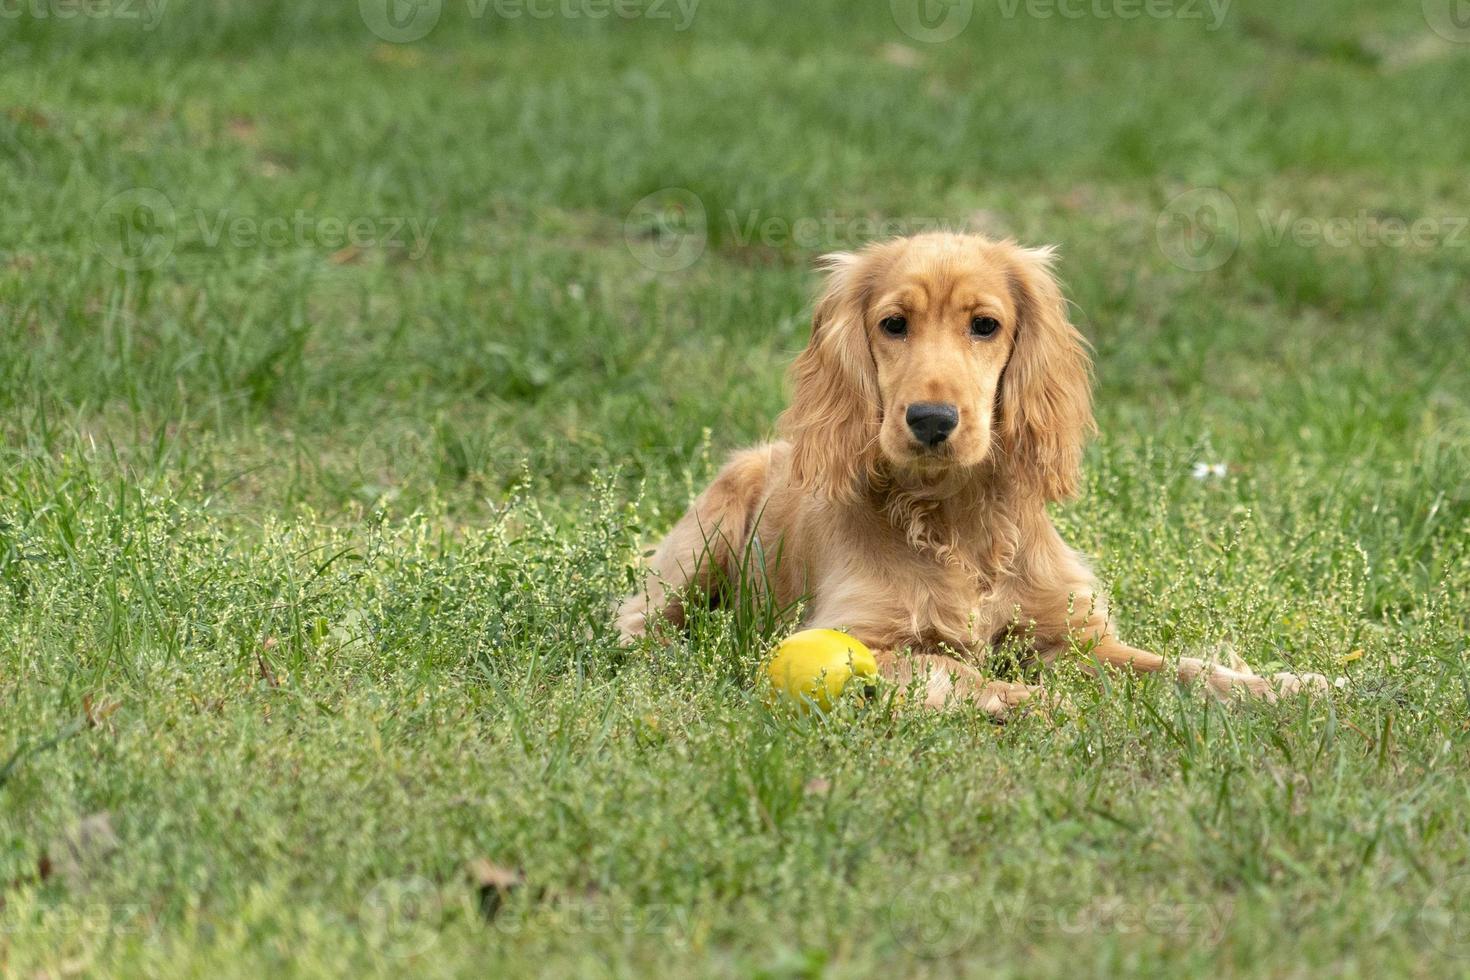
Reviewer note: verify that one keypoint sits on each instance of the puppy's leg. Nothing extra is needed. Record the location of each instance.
(1089, 624)
(946, 680)
(704, 549)
(1219, 679)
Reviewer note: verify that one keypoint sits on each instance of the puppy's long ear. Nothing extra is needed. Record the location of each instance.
(1046, 391)
(834, 415)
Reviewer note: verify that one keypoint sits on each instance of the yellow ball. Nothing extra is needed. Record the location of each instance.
(817, 664)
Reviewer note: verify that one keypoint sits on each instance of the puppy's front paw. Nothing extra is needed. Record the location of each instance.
(1002, 700)
(1239, 678)
(1296, 683)
(632, 620)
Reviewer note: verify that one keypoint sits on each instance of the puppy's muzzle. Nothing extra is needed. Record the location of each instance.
(932, 422)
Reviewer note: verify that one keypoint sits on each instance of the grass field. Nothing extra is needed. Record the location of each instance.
(344, 375)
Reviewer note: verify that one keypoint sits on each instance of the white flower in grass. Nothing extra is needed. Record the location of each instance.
(1210, 471)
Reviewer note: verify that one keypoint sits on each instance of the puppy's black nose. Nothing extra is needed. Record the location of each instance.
(932, 422)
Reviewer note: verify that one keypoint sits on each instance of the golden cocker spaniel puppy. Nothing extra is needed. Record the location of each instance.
(941, 404)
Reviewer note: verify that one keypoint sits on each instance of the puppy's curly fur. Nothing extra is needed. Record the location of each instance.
(930, 553)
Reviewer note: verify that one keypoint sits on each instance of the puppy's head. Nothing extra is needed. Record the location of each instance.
(932, 355)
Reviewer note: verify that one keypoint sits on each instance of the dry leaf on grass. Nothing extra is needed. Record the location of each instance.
(98, 712)
(28, 117)
(244, 130)
(263, 666)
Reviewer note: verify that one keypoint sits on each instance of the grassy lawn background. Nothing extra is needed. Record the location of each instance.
(306, 549)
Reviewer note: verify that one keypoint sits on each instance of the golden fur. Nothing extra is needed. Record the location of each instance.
(929, 556)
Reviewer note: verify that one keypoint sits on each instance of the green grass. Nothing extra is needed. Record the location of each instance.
(307, 551)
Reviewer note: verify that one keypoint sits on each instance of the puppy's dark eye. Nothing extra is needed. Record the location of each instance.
(984, 326)
(894, 326)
